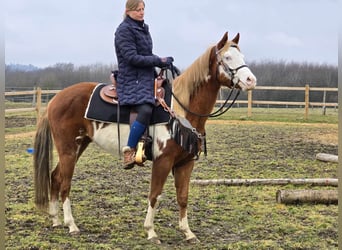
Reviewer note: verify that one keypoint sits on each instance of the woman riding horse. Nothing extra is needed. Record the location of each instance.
(194, 96)
(135, 81)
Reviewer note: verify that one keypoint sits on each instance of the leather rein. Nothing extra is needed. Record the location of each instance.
(223, 109)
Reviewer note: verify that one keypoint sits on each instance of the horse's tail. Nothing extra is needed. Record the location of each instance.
(42, 160)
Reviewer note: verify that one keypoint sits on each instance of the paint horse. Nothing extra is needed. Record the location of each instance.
(194, 95)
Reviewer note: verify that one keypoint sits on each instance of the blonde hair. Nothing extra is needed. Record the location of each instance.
(186, 84)
(132, 5)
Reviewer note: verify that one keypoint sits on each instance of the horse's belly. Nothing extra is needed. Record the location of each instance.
(107, 137)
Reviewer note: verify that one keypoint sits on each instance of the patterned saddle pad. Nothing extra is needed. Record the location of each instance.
(99, 110)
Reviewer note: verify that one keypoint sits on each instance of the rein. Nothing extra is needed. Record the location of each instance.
(218, 112)
(232, 74)
(176, 123)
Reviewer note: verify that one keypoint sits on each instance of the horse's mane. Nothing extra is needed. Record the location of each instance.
(185, 84)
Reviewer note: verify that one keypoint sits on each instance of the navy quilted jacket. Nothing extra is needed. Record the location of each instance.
(133, 46)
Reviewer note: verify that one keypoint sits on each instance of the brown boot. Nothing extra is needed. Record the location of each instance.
(129, 157)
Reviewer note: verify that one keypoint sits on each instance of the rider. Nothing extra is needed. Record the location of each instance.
(135, 80)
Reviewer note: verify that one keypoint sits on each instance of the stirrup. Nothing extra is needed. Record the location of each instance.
(140, 156)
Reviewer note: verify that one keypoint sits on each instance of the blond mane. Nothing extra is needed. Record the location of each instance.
(185, 84)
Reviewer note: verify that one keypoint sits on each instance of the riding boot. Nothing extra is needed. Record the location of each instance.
(129, 157)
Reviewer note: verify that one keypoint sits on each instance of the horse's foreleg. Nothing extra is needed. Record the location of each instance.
(160, 172)
(182, 179)
(149, 222)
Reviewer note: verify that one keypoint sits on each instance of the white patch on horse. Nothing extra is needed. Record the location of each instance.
(160, 134)
(184, 227)
(107, 137)
(68, 218)
(233, 58)
(53, 211)
(149, 221)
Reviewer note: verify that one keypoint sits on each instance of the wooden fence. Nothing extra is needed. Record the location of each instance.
(37, 97)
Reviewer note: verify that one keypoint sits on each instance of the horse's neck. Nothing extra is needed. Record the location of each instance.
(202, 102)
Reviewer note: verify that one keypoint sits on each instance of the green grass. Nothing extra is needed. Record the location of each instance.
(109, 204)
(282, 115)
(290, 115)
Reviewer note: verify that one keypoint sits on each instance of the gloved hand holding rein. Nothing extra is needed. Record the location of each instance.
(165, 62)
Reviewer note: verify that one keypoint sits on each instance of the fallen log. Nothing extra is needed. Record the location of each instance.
(327, 157)
(254, 182)
(307, 196)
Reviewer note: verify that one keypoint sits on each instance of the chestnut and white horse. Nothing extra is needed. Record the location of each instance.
(64, 126)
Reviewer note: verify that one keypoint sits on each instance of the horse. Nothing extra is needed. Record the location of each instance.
(64, 126)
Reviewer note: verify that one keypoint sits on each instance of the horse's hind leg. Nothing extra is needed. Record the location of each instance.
(182, 179)
(61, 183)
(54, 196)
(67, 165)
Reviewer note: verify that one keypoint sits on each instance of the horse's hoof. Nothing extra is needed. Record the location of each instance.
(75, 233)
(155, 240)
(193, 240)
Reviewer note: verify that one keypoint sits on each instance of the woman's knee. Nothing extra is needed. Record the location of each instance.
(144, 113)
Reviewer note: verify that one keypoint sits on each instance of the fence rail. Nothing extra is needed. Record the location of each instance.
(37, 97)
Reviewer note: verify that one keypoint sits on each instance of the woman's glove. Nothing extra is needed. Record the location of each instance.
(165, 62)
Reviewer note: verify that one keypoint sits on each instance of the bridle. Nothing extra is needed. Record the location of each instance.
(231, 72)
(233, 78)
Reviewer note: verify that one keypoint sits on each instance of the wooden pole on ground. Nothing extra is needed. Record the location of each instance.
(327, 157)
(307, 196)
(254, 182)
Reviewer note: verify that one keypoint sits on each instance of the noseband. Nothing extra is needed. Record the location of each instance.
(231, 72)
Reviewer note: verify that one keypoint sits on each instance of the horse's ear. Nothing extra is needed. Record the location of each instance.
(223, 41)
(236, 38)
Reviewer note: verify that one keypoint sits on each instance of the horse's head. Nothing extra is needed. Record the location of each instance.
(231, 69)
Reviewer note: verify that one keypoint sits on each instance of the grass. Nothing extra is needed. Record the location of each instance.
(109, 204)
(25, 121)
(282, 115)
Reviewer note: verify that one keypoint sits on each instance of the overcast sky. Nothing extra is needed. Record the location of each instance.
(46, 32)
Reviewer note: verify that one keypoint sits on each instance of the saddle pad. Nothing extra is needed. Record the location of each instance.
(99, 110)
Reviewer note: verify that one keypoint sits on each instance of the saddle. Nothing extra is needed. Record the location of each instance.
(109, 94)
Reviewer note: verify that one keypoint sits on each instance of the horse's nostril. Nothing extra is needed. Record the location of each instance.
(251, 80)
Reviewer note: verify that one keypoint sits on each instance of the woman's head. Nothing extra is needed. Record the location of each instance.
(135, 9)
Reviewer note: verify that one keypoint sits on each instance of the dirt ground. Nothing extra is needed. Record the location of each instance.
(109, 204)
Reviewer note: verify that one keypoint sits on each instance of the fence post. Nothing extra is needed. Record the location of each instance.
(307, 103)
(324, 98)
(34, 97)
(39, 102)
(249, 109)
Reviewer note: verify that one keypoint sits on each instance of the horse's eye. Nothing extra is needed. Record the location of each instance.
(228, 58)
